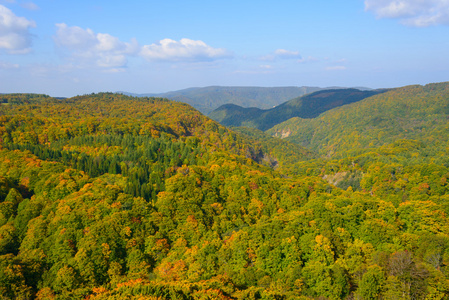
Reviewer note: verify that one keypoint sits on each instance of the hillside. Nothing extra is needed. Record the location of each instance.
(413, 112)
(207, 99)
(308, 106)
(106, 196)
(279, 154)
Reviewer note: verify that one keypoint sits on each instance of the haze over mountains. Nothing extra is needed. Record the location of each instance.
(206, 99)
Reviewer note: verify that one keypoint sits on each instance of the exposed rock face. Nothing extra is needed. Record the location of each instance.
(285, 133)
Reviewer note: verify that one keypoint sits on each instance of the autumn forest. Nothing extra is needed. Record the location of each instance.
(108, 196)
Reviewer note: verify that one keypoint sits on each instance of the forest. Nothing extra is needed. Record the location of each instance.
(306, 107)
(107, 196)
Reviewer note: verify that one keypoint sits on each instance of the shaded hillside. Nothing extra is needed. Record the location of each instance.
(412, 112)
(280, 154)
(207, 99)
(308, 106)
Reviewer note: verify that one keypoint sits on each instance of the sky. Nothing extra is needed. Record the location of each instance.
(67, 48)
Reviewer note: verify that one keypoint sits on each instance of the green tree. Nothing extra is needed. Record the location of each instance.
(371, 284)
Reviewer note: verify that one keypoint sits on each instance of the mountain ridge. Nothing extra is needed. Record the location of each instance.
(401, 113)
(306, 106)
(207, 99)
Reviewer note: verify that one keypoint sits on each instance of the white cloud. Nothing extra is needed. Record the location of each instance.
(74, 38)
(308, 59)
(336, 68)
(281, 54)
(418, 13)
(183, 50)
(105, 50)
(29, 6)
(253, 72)
(15, 37)
(286, 54)
(7, 66)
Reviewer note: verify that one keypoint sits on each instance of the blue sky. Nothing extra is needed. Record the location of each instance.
(67, 48)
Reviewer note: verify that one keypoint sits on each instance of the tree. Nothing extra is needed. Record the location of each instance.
(371, 284)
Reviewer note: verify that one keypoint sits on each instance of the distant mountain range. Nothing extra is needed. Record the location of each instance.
(207, 99)
(307, 106)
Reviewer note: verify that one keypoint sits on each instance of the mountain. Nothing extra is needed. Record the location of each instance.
(308, 106)
(106, 196)
(412, 112)
(207, 99)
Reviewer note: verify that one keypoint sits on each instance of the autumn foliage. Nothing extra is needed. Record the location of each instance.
(105, 196)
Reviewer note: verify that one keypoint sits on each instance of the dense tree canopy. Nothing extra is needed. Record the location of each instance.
(105, 196)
